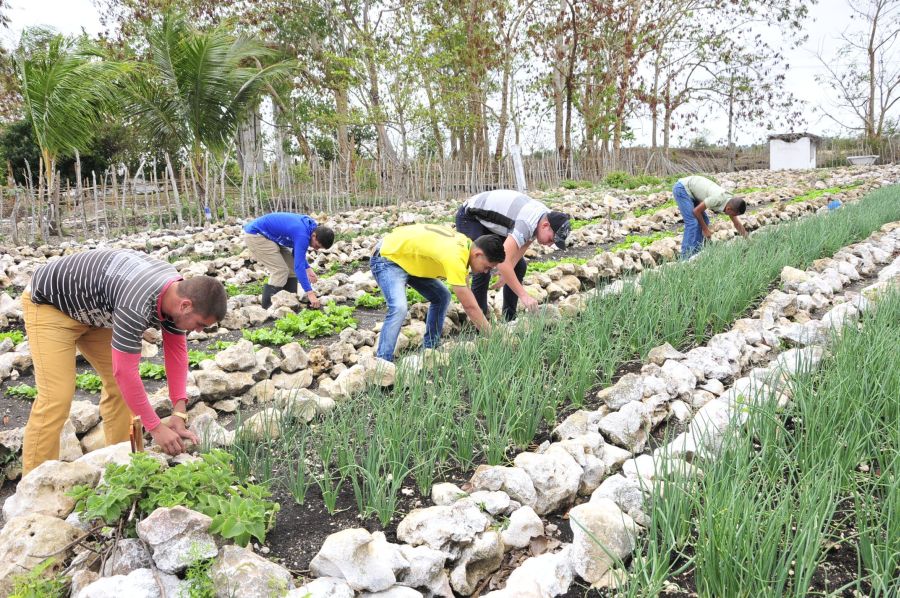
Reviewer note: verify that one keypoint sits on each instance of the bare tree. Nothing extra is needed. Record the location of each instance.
(865, 73)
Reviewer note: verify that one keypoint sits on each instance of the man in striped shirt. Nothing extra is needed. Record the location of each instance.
(520, 219)
(101, 302)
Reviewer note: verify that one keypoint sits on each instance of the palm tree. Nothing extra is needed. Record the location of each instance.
(66, 89)
(197, 86)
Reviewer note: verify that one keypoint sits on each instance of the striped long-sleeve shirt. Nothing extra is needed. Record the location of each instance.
(523, 212)
(122, 290)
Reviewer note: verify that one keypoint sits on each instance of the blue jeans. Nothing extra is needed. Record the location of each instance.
(393, 280)
(692, 240)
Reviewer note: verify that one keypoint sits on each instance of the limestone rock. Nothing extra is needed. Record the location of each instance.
(178, 537)
(365, 561)
(555, 476)
(443, 527)
(601, 532)
(512, 480)
(45, 489)
(478, 560)
(239, 572)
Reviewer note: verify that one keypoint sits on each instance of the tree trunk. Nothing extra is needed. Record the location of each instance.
(342, 108)
(385, 147)
(504, 109)
(558, 81)
(731, 153)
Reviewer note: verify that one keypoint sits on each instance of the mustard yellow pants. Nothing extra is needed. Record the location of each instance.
(277, 260)
(52, 339)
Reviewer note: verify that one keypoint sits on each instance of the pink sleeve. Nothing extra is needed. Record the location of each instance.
(125, 370)
(176, 359)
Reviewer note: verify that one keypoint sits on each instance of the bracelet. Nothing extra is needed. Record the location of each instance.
(183, 416)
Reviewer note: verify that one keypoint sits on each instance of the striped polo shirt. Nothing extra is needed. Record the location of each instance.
(107, 288)
(524, 211)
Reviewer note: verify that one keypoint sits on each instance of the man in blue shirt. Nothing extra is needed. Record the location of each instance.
(279, 242)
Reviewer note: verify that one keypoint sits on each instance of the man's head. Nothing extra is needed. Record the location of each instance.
(486, 252)
(197, 303)
(735, 206)
(553, 228)
(322, 238)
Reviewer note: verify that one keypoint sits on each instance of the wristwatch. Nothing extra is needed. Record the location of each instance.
(183, 416)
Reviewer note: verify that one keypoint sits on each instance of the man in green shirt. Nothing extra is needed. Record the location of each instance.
(694, 195)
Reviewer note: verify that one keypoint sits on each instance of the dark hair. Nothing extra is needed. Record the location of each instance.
(739, 205)
(206, 294)
(325, 236)
(492, 246)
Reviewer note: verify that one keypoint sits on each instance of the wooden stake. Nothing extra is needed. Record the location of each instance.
(137, 435)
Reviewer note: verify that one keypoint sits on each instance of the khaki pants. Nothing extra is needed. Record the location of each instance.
(277, 260)
(52, 338)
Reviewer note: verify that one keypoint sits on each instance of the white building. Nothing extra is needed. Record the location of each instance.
(792, 150)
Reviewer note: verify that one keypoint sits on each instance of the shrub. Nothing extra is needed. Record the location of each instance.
(268, 336)
(153, 371)
(195, 357)
(251, 288)
(16, 336)
(314, 323)
(89, 382)
(572, 184)
(38, 584)
(22, 391)
(210, 486)
(370, 301)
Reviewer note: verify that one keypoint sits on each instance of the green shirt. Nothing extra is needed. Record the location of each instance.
(701, 189)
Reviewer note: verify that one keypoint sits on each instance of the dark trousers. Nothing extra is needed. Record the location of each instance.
(472, 228)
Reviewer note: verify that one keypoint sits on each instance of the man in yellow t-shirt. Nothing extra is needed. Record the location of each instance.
(419, 255)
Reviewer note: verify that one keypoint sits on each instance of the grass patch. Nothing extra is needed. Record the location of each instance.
(537, 267)
(16, 336)
(573, 184)
(88, 382)
(268, 336)
(653, 210)
(21, 391)
(251, 288)
(314, 323)
(152, 371)
(777, 499)
(576, 224)
(817, 193)
(195, 357)
(642, 240)
(370, 300)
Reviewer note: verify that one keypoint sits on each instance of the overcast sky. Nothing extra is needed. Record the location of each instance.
(829, 18)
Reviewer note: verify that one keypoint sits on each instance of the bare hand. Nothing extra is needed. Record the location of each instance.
(178, 426)
(312, 276)
(707, 233)
(529, 303)
(168, 440)
(499, 284)
(313, 300)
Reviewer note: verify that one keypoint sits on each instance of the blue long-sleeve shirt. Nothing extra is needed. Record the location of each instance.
(287, 230)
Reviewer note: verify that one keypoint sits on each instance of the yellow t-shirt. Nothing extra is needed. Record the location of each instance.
(429, 251)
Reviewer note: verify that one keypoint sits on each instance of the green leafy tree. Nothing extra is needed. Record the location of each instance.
(197, 86)
(67, 91)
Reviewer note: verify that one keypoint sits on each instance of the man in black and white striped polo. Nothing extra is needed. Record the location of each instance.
(101, 302)
(521, 220)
